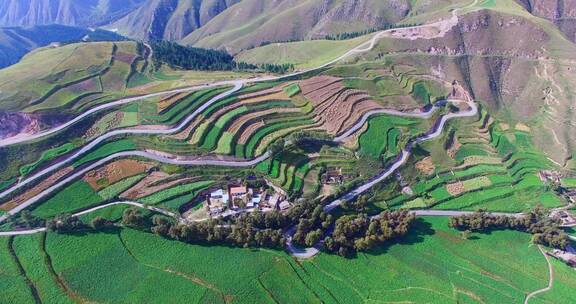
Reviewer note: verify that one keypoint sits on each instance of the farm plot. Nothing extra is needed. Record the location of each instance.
(100, 269)
(106, 150)
(77, 196)
(30, 253)
(13, 283)
(174, 192)
(47, 156)
(382, 135)
(179, 109)
(115, 172)
(335, 106)
(433, 265)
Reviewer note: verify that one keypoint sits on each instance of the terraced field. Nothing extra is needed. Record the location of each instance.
(485, 167)
(89, 74)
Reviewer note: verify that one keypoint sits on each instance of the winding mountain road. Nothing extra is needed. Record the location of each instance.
(237, 85)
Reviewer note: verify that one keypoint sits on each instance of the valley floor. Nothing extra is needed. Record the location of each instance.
(434, 265)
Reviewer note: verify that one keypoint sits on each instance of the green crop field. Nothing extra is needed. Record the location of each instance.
(13, 283)
(74, 197)
(106, 150)
(115, 189)
(433, 265)
(174, 191)
(292, 90)
(382, 135)
(47, 156)
(31, 255)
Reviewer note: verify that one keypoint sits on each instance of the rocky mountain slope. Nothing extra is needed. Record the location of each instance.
(66, 12)
(561, 12)
(169, 19)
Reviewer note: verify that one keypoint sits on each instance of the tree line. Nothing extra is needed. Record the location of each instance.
(344, 236)
(191, 58)
(544, 230)
(350, 35)
(361, 233)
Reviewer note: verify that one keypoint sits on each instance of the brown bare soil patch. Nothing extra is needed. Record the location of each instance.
(249, 131)
(522, 127)
(456, 188)
(352, 141)
(47, 182)
(164, 103)
(504, 126)
(358, 110)
(335, 106)
(426, 166)
(114, 172)
(261, 93)
(153, 183)
(315, 83)
(265, 97)
(456, 145)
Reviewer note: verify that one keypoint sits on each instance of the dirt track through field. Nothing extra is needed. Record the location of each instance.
(550, 278)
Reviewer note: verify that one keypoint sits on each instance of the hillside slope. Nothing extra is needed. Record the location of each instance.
(169, 19)
(253, 22)
(66, 12)
(561, 12)
(15, 42)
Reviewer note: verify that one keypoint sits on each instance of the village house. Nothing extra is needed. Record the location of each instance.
(566, 218)
(217, 201)
(565, 256)
(550, 176)
(334, 176)
(285, 205)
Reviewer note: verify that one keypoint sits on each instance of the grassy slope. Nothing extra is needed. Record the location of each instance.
(433, 265)
(303, 54)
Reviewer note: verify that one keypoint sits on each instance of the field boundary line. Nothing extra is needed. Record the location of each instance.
(550, 278)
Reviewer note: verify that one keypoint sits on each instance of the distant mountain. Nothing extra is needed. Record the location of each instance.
(15, 42)
(253, 22)
(66, 12)
(169, 19)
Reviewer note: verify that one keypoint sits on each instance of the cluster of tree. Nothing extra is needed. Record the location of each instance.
(25, 219)
(243, 233)
(360, 233)
(255, 229)
(66, 223)
(301, 137)
(544, 230)
(312, 226)
(350, 35)
(190, 58)
(360, 204)
(277, 68)
(277, 146)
